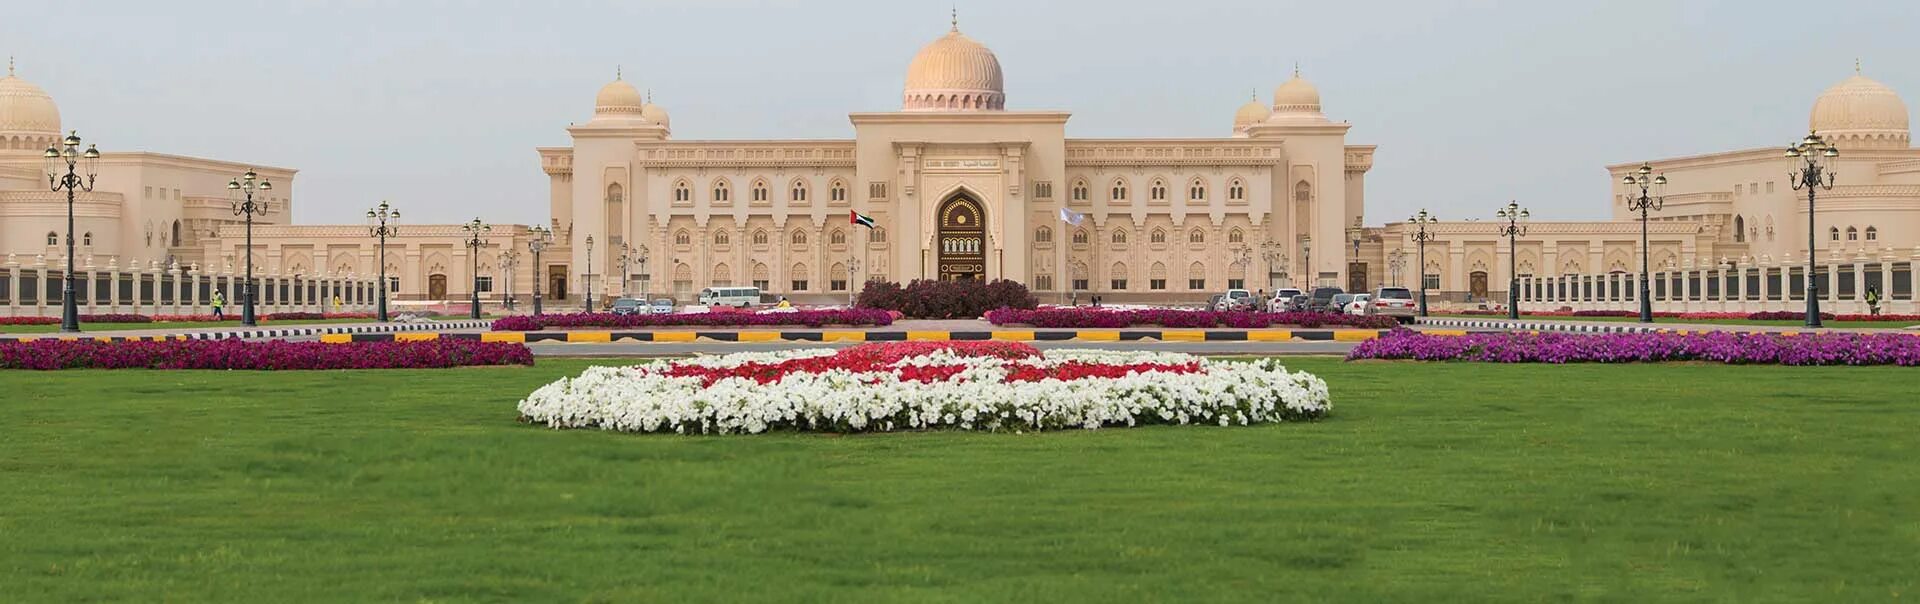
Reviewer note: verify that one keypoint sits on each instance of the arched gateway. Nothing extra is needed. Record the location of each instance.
(962, 239)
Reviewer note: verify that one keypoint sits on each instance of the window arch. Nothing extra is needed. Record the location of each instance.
(53, 238)
(837, 190)
(1118, 277)
(877, 235)
(722, 274)
(1158, 236)
(175, 239)
(759, 193)
(1079, 236)
(682, 237)
(87, 239)
(1196, 276)
(1236, 236)
(798, 277)
(1159, 190)
(1119, 189)
(1833, 233)
(682, 192)
(760, 237)
(615, 193)
(1079, 190)
(1873, 234)
(1302, 191)
(720, 237)
(1196, 236)
(1853, 234)
(1236, 191)
(1120, 236)
(1043, 235)
(799, 191)
(1197, 190)
(1157, 276)
(1739, 229)
(838, 237)
(722, 190)
(799, 237)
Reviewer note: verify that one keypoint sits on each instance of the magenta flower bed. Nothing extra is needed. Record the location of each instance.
(49, 353)
(809, 318)
(1716, 347)
(208, 318)
(1115, 319)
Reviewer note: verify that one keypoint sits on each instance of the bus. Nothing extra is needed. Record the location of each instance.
(741, 297)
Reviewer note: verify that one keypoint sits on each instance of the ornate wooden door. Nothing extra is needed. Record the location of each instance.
(962, 239)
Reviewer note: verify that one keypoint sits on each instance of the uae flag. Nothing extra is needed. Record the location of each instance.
(862, 220)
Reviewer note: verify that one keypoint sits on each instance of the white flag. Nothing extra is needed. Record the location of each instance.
(1071, 217)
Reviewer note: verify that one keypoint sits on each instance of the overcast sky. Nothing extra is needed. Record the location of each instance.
(438, 106)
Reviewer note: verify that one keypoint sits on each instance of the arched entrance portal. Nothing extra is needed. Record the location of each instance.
(962, 239)
(436, 287)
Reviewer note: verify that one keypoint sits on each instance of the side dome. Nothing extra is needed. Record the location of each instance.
(28, 112)
(618, 98)
(1861, 113)
(656, 114)
(1249, 114)
(1297, 100)
(954, 73)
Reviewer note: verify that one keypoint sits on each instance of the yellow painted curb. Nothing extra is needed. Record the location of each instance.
(1352, 335)
(1013, 336)
(504, 336)
(759, 336)
(1094, 335)
(1269, 335)
(928, 336)
(1446, 332)
(423, 336)
(1183, 336)
(589, 336)
(337, 338)
(103, 338)
(843, 336)
(665, 336)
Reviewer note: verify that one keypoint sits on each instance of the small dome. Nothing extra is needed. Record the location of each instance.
(618, 97)
(954, 73)
(1249, 114)
(1296, 96)
(1860, 112)
(26, 109)
(656, 114)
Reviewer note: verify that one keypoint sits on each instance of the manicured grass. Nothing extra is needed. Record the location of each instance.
(1431, 483)
(1791, 323)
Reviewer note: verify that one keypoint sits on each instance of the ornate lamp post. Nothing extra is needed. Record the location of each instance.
(1516, 218)
(246, 184)
(588, 276)
(626, 259)
(539, 240)
(1809, 157)
(1421, 235)
(69, 156)
(1306, 251)
(383, 222)
(1275, 255)
(509, 260)
(853, 269)
(1643, 203)
(1396, 260)
(476, 231)
(645, 278)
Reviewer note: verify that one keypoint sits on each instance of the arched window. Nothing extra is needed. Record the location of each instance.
(53, 238)
(1196, 236)
(1118, 276)
(1196, 276)
(1197, 190)
(837, 191)
(1873, 234)
(877, 235)
(1236, 191)
(1120, 236)
(615, 194)
(1158, 236)
(1080, 237)
(1833, 233)
(799, 237)
(1119, 189)
(1157, 276)
(176, 234)
(838, 237)
(1159, 190)
(682, 237)
(1079, 190)
(720, 238)
(759, 191)
(1853, 234)
(722, 192)
(87, 239)
(799, 278)
(1235, 236)
(1043, 235)
(760, 237)
(799, 191)
(1302, 191)
(722, 274)
(1739, 229)
(682, 192)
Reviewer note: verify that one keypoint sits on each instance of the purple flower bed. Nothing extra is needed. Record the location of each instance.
(1114, 319)
(1717, 347)
(49, 353)
(809, 318)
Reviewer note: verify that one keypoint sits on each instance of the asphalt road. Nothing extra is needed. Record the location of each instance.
(643, 349)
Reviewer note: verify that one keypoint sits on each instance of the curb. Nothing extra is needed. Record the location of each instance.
(1531, 326)
(1082, 335)
(388, 329)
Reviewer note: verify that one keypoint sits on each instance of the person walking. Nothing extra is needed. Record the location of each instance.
(1873, 301)
(336, 305)
(219, 303)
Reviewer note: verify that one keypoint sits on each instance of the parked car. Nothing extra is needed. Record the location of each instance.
(1321, 300)
(738, 297)
(1215, 302)
(1396, 302)
(1338, 303)
(1237, 299)
(1299, 303)
(1281, 299)
(1358, 306)
(663, 306)
(630, 306)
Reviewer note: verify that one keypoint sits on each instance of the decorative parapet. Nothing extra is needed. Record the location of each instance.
(826, 154)
(1360, 158)
(556, 160)
(1087, 153)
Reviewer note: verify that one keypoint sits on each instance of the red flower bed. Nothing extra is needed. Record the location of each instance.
(51, 353)
(809, 318)
(880, 357)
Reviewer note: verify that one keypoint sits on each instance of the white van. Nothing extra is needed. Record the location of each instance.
(740, 297)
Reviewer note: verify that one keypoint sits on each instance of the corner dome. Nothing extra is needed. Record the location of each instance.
(1249, 114)
(656, 114)
(954, 73)
(28, 111)
(618, 98)
(1862, 113)
(1296, 97)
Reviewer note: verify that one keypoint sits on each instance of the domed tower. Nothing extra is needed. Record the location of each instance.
(29, 121)
(655, 113)
(1297, 101)
(954, 73)
(1859, 113)
(618, 101)
(1249, 114)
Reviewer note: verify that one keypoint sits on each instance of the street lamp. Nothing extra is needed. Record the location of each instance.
(1396, 260)
(1814, 151)
(1275, 255)
(476, 231)
(1355, 233)
(246, 184)
(626, 260)
(1421, 235)
(383, 222)
(1516, 218)
(509, 260)
(588, 276)
(69, 156)
(539, 240)
(853, 269)
(1644, 203)
(1306, 251)
(645, 278)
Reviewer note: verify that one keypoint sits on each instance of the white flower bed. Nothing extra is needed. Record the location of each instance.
(978, 397)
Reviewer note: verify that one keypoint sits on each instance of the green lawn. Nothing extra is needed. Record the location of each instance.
(1789, 323)
(1431, 483)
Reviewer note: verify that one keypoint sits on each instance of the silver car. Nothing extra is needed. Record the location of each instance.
(1396, 302)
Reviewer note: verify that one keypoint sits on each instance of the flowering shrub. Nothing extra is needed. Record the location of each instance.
(49, 353)
(924, 385)
(809, 318)
(1072, 317)
(1785, 315)
(1719, 347)
(931, 299)
(208, 318)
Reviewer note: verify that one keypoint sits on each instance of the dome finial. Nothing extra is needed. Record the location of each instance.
(956, 17)
(649, 96)
(618, 73)
(1856, 66)
(9, 66)
(1296, 69)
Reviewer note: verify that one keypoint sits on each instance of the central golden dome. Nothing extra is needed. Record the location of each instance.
(1860, 112)
(954, 73)
(27, 110)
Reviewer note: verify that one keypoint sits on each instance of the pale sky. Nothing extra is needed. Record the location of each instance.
(438, 105)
